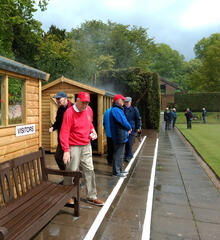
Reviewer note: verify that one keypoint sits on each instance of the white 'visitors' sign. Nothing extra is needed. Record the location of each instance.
(25, 130)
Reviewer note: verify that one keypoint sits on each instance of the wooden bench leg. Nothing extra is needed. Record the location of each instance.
(76, 207)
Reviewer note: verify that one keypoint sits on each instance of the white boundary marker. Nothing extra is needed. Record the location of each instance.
(147, 219)
(99, 218)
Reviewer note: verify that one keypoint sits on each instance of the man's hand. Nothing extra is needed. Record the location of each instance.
(129, 131)
(50, 129)
(93, 134)
(66, 157)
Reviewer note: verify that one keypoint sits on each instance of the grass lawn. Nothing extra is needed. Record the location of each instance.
(212, 117)
(206, 139)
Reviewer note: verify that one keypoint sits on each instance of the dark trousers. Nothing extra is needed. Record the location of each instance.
(110, 149)
(189, 124)
(167, 125)
(118, 155)
(59, 157)
(128, 147)
(174, 121)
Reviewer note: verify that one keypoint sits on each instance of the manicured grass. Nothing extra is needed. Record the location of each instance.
(206, 139)
(212, 117)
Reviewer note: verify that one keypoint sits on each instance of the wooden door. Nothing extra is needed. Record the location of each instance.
(53, 113)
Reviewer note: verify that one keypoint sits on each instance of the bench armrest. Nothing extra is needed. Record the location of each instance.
(3, 233)
(75, 174)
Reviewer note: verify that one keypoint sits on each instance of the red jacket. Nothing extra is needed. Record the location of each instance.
(76, 128)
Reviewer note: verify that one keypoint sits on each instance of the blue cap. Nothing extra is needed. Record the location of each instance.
(60, 95)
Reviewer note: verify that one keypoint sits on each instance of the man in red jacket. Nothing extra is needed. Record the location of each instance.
(76, 132)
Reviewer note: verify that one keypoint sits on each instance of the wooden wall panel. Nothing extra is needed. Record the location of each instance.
(12, 146)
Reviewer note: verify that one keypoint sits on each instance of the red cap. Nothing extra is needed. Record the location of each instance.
(118, 96)
(84, 96)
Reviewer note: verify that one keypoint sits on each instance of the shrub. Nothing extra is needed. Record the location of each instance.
(142, 86)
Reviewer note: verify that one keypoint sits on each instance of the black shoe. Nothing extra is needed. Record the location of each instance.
(70, 205)
(127, 160)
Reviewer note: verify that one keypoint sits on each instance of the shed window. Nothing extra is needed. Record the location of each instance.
(15, 100)
(12, 100)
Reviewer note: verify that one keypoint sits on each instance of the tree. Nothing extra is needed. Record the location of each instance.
(207, 76)
(59, 34)
(169, 64)
(19, 31)
(202, 46)
(128, 46)
(56, 57)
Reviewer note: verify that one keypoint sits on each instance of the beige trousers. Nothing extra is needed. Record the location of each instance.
(81, 157)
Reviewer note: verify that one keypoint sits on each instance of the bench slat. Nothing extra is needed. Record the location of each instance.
(13, 205)
(38, 208)
(16, 182)
(26, 176)
(35, 172)
(30, 174)
(21, 179)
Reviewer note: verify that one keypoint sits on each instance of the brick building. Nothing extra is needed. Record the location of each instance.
(168, 90)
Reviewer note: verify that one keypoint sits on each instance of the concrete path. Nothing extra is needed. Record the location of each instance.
(186, 202)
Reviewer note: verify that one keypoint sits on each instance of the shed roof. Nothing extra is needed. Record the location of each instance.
(74, 83)
(16, 67)
(174, 85)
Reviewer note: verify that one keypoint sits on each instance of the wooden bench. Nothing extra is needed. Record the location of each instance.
(28, 200)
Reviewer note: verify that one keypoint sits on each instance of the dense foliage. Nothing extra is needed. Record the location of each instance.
(196, 101)
(142, 86)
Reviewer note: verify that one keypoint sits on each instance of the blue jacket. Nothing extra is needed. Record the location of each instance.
(133, 117)
(174, 115)
(119, 124)
(106, 123)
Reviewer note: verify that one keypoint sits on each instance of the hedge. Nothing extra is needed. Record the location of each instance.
(142, 86)
(197, 101)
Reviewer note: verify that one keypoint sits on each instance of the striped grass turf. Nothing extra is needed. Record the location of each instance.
(206, 139)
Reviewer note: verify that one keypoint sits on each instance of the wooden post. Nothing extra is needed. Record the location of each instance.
(40, 114)
(100, 125)
(4, 94)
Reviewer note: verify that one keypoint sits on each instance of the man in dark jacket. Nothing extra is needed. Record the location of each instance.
(189, 118)
(120, 129)
(63, 103)
(204, 115)
(133, 117)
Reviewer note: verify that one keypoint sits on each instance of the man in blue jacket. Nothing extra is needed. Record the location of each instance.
(120, 129)
(133, 117)
(110, 146)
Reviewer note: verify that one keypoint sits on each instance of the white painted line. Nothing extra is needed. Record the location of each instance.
(147, 220)
(135, 154)
(93, 229)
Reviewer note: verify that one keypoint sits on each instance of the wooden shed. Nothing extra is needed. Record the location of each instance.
(100, 101)
(20, 108)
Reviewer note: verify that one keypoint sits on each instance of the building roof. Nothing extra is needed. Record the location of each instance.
(169, 83)
(16, 67)
(74, 83)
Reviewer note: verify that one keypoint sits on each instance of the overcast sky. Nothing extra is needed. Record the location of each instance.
(178, 23)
